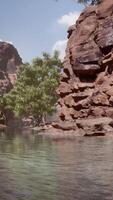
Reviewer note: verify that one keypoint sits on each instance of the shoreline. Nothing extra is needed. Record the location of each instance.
(48, 131)
(53, 133)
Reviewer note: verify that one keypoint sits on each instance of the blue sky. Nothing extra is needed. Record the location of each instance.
(34, 26)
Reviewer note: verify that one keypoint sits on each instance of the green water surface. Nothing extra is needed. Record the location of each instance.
(34, 168)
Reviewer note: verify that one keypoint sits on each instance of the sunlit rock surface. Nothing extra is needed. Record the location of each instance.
(86, 85)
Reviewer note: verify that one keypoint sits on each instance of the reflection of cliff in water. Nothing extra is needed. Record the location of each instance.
(25, 159)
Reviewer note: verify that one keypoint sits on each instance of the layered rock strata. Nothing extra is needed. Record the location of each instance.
(86, 84)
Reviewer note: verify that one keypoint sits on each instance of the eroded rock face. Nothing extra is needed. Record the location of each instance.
(9, 63)
(86, 86)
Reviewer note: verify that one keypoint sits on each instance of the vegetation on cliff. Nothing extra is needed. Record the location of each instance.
(88, 1)
(93, 2)
(34, 92)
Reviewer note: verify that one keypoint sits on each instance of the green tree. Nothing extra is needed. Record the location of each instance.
(89, 1)
(34, 92)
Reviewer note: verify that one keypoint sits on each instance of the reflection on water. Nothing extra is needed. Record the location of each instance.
(33, 168)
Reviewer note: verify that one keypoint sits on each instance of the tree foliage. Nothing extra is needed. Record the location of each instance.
(93, 2)
(34, 92)
(89, 1)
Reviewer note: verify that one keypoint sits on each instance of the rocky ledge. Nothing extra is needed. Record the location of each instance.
(86, 84)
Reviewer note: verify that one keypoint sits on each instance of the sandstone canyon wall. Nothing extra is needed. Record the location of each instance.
(86, 84)
(9, 63)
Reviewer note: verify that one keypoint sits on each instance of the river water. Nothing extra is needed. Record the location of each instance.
(34, 168)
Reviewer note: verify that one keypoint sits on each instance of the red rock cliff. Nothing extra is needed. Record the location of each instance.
(86, 86)
(9, 63)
